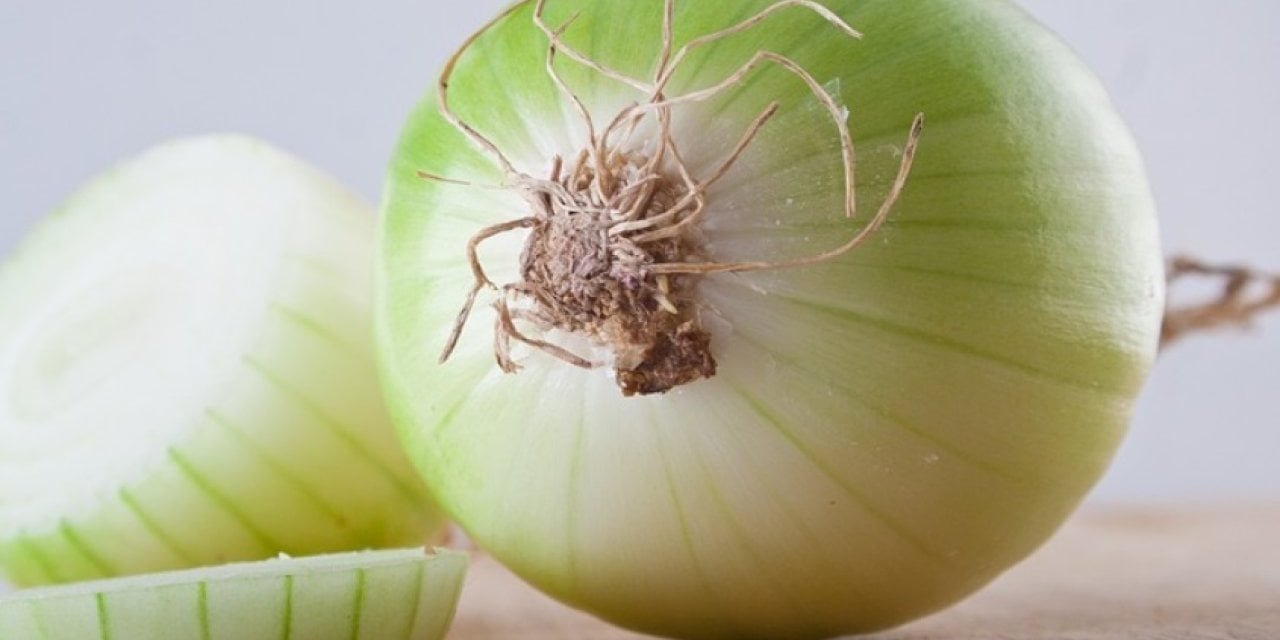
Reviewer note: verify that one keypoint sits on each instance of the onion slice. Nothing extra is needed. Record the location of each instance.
(375, 595)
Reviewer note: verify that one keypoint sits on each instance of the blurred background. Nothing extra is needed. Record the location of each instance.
(83, 85)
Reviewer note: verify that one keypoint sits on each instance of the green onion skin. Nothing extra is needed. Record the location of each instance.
(888, 431)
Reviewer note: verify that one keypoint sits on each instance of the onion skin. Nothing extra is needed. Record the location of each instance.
(887, 432)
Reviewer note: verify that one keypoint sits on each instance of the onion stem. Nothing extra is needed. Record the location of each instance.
(1246, 294)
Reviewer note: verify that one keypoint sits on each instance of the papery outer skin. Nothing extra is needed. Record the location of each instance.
(887, 432)
(239, 415)
(397, 594)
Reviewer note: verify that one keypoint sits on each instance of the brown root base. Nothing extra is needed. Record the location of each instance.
(581, 275)
(614, 252)
(678, 357)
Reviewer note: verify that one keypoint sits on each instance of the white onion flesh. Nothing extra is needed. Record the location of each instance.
(186, 373)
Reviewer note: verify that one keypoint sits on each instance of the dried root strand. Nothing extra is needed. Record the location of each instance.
(886, 207)
(667, 70)
(442, 100)
(539, 8)
(578, 106)
(481, 279)
(1245, 295)
(697, 191)
(509, 331)
(838, 116)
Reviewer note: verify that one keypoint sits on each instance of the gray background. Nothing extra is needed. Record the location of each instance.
(83, 85)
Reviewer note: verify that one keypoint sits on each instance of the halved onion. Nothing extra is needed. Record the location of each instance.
(187, 373)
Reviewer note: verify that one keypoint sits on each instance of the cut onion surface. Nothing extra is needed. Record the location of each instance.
(186, 373)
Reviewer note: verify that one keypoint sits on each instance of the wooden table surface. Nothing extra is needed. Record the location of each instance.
(1110, 574)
